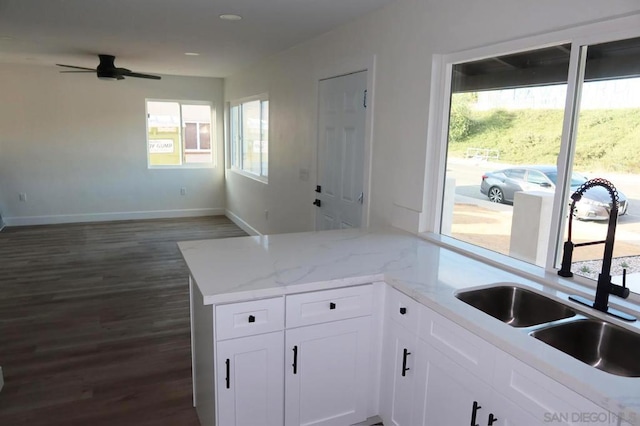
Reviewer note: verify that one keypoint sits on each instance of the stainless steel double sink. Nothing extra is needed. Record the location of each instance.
(596, 342)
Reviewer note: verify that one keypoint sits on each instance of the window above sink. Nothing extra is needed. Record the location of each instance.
(533, 117)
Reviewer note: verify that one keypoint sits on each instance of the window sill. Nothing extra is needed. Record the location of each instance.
(577, 285)
(261, 179)
(182, 167)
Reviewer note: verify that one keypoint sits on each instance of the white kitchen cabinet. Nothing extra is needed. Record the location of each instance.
(399, 377)
(328, 373)
(466, 349)
(428, 369)
(452, 395)
(250, 380)
(329, 305)
(507, 413)
(547, 400)
(470, 381)
(243, 359)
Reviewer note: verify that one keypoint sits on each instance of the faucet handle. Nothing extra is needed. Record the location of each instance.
(621, 291)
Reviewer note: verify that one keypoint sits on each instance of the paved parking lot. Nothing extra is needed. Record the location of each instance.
(477, 216)
(478, 221)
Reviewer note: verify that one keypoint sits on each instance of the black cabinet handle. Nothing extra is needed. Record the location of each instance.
(405, 354)
(295, 360)
(228, 367)
(403, 311)
(492, 419)
(317, 203)
(332, 305)
(474, 412)
(252, 318)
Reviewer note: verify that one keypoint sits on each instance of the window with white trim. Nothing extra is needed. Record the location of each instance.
(249, 136)
(179, 134)
(524, 131)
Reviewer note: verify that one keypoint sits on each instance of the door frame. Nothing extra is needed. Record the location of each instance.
(339, 69)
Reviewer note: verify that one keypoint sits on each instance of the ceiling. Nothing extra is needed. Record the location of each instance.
(548, 66)
(153, 35)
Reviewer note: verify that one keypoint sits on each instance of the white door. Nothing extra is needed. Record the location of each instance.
(341, 142)
(250, 380)
(327, 373)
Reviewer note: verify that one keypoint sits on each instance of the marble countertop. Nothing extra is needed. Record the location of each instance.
(246, 268)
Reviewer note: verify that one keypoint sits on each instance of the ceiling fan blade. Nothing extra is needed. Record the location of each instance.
(138, 75)
(107, 70)
(78, 68)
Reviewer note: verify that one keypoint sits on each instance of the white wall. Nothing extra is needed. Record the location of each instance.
(76, 146)
(403, 37)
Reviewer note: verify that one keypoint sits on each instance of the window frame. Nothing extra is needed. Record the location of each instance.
(183, 150)
(235, 151)
(431, 218)
(198, 142)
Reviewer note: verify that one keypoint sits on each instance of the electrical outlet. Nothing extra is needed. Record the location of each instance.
(303, 174)
(22, 196)
(266, 214)
(183, 191)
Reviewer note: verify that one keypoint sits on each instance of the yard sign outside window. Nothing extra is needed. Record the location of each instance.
(179, 133)
(249, 137)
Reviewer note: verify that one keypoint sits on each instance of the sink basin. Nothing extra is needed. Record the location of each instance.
(516, 306)
(597, 343)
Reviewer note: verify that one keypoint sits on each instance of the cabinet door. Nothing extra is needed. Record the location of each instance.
(506, 413)
(399, 352)
(452, 396)
(328, 374)
(250, 380)
(549, 401)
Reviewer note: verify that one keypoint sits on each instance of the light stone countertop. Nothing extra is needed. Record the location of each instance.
(246, 268)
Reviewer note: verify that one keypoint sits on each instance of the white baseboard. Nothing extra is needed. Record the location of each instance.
(106, 217)
(241, 223)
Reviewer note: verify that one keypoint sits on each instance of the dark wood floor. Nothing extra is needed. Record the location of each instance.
(94, 323)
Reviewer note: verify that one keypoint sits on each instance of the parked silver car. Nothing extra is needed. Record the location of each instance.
(500, 187)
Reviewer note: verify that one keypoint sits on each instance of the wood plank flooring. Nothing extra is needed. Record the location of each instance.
(94, 322)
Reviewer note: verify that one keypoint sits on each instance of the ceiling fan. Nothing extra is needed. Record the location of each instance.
(108, 71)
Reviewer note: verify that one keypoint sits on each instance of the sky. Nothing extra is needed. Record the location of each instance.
(610, 94)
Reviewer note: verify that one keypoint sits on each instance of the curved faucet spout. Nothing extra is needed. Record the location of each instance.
(604, 287)
(577, 196)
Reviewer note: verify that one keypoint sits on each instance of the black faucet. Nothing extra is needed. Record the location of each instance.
(605, 287)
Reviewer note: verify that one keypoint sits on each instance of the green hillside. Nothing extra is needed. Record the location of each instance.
(608, 140)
